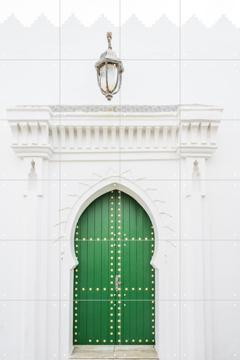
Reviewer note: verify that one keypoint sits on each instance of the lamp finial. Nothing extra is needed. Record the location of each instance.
(109, 39)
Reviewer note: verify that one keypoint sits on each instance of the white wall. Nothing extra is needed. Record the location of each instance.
(30, 255)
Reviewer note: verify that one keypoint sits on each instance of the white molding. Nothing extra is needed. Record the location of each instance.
(189, 131)
(69, 261)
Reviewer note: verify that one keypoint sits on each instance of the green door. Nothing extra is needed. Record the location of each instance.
(114, 281)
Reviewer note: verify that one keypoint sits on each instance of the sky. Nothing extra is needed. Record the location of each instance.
(148, 11)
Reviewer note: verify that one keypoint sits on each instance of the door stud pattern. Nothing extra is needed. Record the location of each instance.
(114, 283)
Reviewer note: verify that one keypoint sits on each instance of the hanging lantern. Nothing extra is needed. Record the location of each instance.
(109, 71)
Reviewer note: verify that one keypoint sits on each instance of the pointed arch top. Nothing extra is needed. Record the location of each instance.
(100, 188)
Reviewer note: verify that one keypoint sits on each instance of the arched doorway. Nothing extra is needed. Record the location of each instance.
(114, 283)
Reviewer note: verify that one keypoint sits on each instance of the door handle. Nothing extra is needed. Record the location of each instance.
(117, 282)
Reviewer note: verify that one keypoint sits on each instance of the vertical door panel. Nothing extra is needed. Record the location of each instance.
(138, 288)
(94, 311)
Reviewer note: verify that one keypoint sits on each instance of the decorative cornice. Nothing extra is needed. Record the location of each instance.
(188, 130)
(114, 108)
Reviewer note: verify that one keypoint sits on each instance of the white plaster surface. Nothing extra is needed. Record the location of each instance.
(194, 208)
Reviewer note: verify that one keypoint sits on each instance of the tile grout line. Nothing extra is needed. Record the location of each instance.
(60, 182)
(123, 59)
(179, 194)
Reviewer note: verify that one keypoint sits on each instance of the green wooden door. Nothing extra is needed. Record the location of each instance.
(114, 281)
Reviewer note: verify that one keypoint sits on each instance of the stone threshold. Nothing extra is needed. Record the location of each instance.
(141, 352)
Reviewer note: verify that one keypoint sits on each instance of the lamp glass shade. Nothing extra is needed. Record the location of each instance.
(108, 77)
